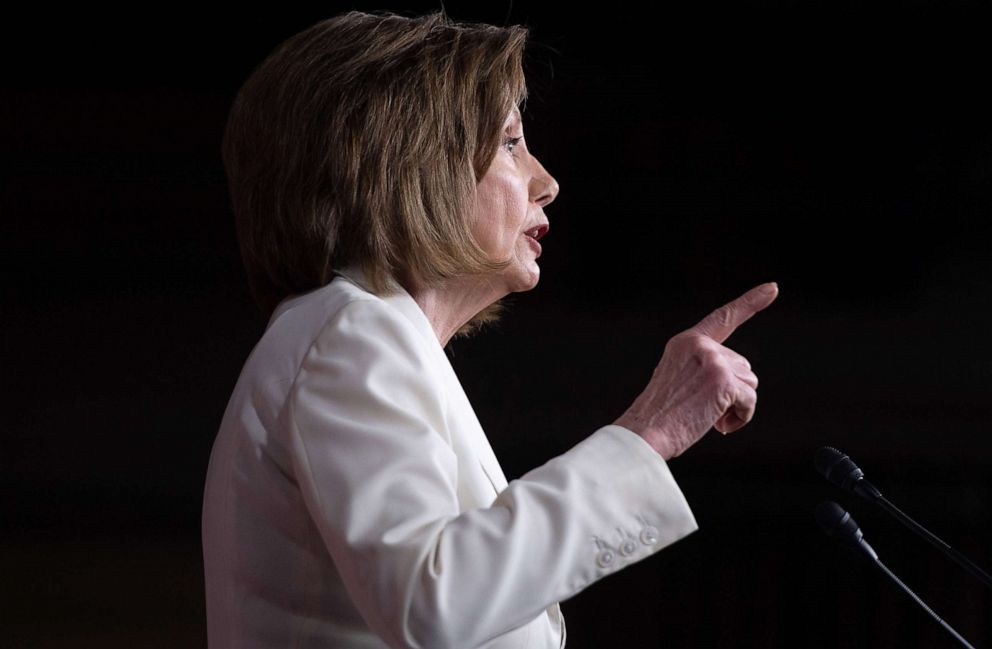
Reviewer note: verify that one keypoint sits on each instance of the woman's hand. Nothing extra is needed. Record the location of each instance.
(699, 384)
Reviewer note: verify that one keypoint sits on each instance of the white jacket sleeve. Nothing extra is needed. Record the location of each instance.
(374, 462)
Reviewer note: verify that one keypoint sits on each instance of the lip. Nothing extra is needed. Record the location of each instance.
(534, 244)
(535, 233)
(542, 229)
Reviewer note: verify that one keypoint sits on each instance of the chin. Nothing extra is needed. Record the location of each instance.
(526, 280)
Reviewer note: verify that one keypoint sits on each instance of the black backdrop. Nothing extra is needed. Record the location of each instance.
(845, 153)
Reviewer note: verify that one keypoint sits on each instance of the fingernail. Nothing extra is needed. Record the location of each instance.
(769, 288)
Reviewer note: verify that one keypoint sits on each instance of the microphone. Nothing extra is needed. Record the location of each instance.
(843, 472)
(837, 523)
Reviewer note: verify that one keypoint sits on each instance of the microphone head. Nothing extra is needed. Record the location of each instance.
(837, 468)
(836, 522)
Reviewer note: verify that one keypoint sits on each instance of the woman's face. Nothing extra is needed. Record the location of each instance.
(509, 208)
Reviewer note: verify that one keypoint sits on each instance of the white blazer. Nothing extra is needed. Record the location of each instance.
(353, 500)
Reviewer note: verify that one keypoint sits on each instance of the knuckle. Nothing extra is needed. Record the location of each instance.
(715, 365)
(724, 397)
(681, 338)
(707, 365)
(702, 346)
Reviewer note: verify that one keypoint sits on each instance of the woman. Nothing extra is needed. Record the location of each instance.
(386, 201)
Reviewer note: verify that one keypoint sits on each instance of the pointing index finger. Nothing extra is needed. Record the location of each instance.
(719, 324)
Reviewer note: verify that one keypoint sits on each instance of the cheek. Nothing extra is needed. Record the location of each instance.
(513, 199)
(501, 210)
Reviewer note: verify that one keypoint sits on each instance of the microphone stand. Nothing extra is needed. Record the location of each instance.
(923, 532)
(841, 470)
(837, 523)
(898, 582)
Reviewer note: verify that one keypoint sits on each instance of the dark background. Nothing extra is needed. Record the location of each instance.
(845, 153)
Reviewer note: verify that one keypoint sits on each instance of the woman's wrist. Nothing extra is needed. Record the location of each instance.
(655, 437)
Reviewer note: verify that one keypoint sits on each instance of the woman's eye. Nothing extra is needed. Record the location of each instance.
(512, 142)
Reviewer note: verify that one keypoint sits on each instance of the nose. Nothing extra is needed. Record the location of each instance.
(543, 186)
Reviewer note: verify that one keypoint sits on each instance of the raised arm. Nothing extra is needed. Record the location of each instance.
(699, 383)
(374, 461)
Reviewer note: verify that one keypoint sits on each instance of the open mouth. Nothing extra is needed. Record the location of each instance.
(538, 232)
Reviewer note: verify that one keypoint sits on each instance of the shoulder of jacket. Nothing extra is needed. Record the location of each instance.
(370, 329)
(345, 325)
(370, 341)
(320, 309)
(366, 316)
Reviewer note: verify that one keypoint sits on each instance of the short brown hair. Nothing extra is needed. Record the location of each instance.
(361, 140)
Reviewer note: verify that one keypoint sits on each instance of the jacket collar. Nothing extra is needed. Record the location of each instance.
(400, 299)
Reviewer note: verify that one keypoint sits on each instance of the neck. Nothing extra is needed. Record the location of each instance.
(452, 303)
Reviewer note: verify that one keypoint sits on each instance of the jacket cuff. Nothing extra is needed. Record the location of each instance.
(627, 505)
(655, 513)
